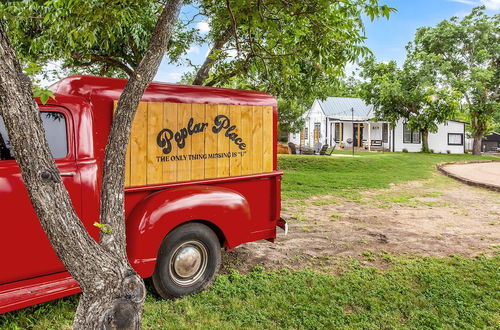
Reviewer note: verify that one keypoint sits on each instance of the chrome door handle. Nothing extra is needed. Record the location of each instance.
(68, 174)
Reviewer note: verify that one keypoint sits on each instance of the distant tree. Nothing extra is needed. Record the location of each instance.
(467, 53)
(411, 93)
(287, 48)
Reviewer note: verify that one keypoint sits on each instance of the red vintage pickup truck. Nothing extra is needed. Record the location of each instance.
(201, 174)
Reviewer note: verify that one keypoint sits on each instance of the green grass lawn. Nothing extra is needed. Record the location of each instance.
(426, 293)
(306, 176)
(415, 292)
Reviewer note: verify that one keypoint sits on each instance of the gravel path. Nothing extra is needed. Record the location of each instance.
(487, 173)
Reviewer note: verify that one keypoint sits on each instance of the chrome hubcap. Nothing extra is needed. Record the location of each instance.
(188, 263)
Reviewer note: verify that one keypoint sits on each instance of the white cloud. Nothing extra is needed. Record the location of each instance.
(467, 2)
(203, 26)
(193, 50)
(491, 4)
(174, 76)
(232, 53)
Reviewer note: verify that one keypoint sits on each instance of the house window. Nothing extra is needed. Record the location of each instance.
(54, 125)
(339, 132)
(306, 133)
(410, 136)
(455, 139)
(385, 132)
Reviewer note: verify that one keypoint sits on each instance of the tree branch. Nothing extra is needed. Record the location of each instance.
(204, 70)
(103, 59)
(233, 24)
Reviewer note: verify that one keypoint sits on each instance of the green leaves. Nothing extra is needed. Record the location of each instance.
(413, 93)
(466, 53)
(103, 227)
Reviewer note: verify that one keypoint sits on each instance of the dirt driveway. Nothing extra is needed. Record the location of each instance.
(438, 217)
(485, 173)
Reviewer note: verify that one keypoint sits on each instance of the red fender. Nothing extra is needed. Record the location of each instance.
(155, 216)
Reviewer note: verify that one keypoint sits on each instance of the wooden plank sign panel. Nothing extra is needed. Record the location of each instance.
(138, 144)
(222, 141)
(155, 124)
(268, 141)
(246, 135)
(236, 152)
(198, 147)
(170, 121)
(173, 142)
(257, 159)
(210, 142)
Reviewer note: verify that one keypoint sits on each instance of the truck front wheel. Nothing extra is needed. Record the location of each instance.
(188, 259)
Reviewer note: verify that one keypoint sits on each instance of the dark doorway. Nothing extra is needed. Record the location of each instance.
(358, 134)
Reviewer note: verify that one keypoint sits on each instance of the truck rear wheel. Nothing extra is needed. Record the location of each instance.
(188, 259)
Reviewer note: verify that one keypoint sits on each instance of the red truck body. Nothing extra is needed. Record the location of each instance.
(239, 209)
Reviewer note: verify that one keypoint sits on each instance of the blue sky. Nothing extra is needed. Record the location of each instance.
(386, 38)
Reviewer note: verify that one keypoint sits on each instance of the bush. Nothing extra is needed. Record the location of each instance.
(405, 150)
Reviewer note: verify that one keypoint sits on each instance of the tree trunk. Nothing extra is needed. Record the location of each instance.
(210, 60)
(425, 141)
(113, 294)
(476, 146)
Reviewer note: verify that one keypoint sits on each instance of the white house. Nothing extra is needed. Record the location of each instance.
(344, 121)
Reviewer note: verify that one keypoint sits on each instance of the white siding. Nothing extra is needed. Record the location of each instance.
(439, 141)
(314, 115)
(398, 140)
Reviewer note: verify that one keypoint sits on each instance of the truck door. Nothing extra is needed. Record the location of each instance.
(25, 251)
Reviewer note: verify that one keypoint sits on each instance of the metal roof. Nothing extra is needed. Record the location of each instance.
(341, 108)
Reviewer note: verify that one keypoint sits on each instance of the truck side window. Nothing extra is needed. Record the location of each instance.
(54, 124)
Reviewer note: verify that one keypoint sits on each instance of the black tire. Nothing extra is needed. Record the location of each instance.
(192, 247)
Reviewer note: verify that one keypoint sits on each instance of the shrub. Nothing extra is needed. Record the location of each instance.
(405, 150)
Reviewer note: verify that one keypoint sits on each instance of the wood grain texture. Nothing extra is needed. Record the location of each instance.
(138, 151)
(268, 139)
(170, 122)
(246, 135)
(184, 166)
(235, 160)
(198, 146)
(257, 143)
(155, 125)
(210, 142)
(222, 145)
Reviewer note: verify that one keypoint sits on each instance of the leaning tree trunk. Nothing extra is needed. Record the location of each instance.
(113, 294)
(425, 141)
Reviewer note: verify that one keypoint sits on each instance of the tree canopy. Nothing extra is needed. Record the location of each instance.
(466, 53)
(411, 93)
(294, 49)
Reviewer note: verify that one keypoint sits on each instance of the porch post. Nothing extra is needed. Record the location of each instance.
(341, 135)
(369, 137)
(359, 134)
